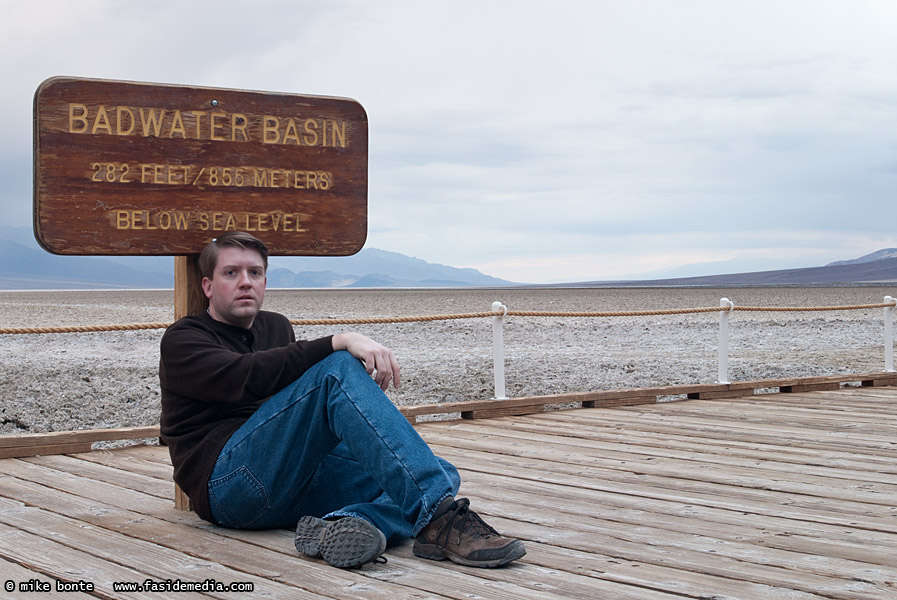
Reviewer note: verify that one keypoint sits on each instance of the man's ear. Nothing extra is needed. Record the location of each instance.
(207, 287)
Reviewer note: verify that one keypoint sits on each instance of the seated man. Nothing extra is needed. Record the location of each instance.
(268, 432)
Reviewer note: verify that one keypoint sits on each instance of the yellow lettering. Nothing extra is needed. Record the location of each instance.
(338, 130)
(165, 220)
(262, 226)
(180, 220)
(275, 220)
(101, 121)
(286, 221)
(260, 178)
(216, 221)
(291, 133)
(150, 122)
(231, 222)
(311, 134)
(120, 112)
(213, 125)
(198, 114)
(270, 125)
(311, 180)
(177, 125)
(121, 219)
(203, 221)
(80, 118)
(298, 181)
(234, 128)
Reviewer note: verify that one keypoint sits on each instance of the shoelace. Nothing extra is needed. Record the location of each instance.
(469, 522)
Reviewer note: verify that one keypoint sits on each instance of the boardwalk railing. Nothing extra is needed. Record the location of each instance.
(726, 307)
(81, 441)
(499, 312)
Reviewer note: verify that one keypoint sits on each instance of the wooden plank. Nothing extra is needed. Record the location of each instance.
(432, 575)
(757, 497)
(734, 393)
(104, 549)
(547, 437)
(125, 459)
(502, 412)
(35, 449)
(814, 574)
(827, 427)
(24, 582)
(575, 398)
(881, 381)
(435, 576)
(602, 430)
(716, 492)
(98, 472)
(836, 541)
(77, 437)
(644, 575)
(809, 387)
(155, 520)
(703, 425)
(622, 401)
(58, 561)
(879, 493)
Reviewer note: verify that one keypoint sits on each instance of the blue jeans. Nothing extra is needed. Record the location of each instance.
(330, 444)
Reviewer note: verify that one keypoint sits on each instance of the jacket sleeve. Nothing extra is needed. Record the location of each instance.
(195, 364)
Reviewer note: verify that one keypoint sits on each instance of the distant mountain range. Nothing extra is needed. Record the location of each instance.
(876, 268)
(24, 265)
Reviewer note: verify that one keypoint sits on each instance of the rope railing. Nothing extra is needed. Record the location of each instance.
(891, 304)
(500, 311)
(81, 328)
(447, 317)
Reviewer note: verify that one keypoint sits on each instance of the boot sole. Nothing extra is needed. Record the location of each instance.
(345, 543)
(434, 552)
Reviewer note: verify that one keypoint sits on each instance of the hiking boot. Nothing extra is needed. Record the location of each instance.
(460, 535)
(346, 542)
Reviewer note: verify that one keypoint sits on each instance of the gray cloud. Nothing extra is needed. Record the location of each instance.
(570, 140)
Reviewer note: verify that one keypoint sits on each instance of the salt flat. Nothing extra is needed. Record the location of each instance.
(53, 382)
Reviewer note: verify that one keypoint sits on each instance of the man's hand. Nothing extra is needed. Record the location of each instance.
(378, 359)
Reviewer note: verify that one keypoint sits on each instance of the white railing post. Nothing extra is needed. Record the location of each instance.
(722, 374)
(889, 335)
(498, 349)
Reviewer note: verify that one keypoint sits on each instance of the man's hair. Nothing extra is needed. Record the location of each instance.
(208, 260)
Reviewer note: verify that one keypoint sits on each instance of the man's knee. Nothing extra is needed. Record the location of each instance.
(342, 362)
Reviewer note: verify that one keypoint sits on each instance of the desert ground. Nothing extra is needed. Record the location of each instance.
(65, 381)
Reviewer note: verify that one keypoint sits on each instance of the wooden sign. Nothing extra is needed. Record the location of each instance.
(137, 168)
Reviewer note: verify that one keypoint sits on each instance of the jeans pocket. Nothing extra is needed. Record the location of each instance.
(238, 499)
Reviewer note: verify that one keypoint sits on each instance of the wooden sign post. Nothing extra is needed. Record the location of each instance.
(128, 168)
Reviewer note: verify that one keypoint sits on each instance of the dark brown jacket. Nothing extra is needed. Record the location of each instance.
(214, 376)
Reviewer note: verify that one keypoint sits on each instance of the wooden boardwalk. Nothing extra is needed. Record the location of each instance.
(781, 496)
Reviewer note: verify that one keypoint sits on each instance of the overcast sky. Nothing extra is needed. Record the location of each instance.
(538, 141)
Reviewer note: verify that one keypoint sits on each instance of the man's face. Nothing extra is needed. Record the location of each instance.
(237, 287)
